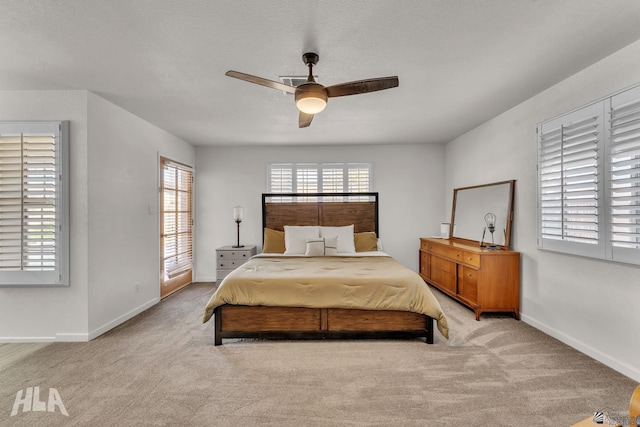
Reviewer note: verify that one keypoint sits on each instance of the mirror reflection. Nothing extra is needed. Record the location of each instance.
(480, 209)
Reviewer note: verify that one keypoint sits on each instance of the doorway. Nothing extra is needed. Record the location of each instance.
(176, 226)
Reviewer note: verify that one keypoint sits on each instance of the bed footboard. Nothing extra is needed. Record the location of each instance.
(238, 321)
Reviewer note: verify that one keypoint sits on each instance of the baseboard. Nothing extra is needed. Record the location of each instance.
(596, 354)
(119, 320)
(72, 337)
(83, 337)
(17, 340)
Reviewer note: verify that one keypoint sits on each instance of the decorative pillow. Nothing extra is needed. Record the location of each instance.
(315, 247)
(295, 238)
(365, 242)
(330, 245)
(322, 246)
(345, 237)
(273, 242)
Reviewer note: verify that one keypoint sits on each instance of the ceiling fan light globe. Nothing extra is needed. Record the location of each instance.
(311, 98)
(311, 105)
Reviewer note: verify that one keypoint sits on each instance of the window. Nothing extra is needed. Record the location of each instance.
(177, 225)
(319, 178)
(589, 180)
(34, 226)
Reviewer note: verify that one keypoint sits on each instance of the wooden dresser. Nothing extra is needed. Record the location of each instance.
(230, 258)
(482, 279)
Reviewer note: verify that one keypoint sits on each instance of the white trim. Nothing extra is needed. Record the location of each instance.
(10, 340)
(72, 337)
(119, 320)
(84, 337)
(596, 354)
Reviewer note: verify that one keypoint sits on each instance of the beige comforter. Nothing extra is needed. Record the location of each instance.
(362, 282)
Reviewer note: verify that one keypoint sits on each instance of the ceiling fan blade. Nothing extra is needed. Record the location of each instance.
(304, 120)
(362, 86)
(260, 81)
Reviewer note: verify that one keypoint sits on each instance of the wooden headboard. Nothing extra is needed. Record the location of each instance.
(328, 209)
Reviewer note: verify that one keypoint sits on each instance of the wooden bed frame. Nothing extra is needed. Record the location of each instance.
(335, 209)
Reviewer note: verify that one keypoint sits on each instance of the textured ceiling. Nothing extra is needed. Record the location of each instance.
(459, 62)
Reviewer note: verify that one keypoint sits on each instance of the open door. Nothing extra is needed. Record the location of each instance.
(176, 223)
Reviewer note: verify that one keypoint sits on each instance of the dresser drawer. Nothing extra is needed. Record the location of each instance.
(471, 258)
(425, 267)
(444, 279)
(445, 251)
(468, 283)
(442, 264)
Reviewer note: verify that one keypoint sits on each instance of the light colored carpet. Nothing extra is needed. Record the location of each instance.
(161, 368)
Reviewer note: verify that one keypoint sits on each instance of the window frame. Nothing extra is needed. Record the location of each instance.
(179, 274)
(603, 245)
(59, 275)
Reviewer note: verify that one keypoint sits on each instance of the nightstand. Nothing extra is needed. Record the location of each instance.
(229, 258)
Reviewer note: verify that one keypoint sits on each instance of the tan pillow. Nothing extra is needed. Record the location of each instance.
(273, 242)
(365, 242)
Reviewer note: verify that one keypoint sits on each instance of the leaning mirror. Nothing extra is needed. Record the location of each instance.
(483, 214)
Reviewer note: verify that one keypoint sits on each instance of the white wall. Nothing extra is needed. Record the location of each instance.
(591, 305)
(409, 179)
(124, 242)
(47, 314)
(114, 240)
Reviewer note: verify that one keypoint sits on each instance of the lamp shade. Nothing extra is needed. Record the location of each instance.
(490, 219)
(238, 213)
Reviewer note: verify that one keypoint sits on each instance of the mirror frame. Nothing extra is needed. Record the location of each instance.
(507, 239)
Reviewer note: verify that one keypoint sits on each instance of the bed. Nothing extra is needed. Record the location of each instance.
(323, 292)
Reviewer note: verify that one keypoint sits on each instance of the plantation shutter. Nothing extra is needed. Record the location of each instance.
(568, 182)
(333, 179)
(307, 179)
(624, 176)
(358, 178)
(281, 178)
(319, 178)
(33, 246)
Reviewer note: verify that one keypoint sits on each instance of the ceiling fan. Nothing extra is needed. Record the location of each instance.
(311, 97)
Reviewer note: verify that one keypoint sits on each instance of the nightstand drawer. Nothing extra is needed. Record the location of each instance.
(229, 258)
(235, 254)
(230, 264)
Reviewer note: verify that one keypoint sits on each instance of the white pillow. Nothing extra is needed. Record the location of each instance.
(322, 246)
(295, 238)
(344, 234)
